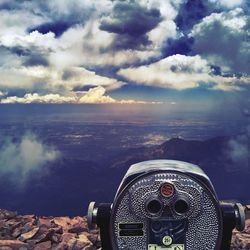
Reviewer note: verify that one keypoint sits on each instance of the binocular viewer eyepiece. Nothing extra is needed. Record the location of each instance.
(166, 205)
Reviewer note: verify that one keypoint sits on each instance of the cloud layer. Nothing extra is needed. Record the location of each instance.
(93, 95)
(61, 46)
(181, 72)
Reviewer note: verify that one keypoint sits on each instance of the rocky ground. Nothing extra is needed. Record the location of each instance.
(241, 240)
(24, 232)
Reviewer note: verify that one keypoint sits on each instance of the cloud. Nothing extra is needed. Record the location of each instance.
(191, 12)
(117, 36)
(228, 4)
(93, 95)
(55, 16)
(131, 22)
(50, 79)
(238, 151)
(182, 72)
(238, 147)
(11, 24)
(33, 49)
(32, 40)
(36, 98)
(63, 45)
(181, 45)
(21, 158)
(60, 36)
(222, 38)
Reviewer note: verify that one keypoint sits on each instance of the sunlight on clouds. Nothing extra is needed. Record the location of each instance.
(167, 28)
(93, 95)
(181, 72)
(15, 22)
(34, 39)
(178, 71)
(228, 3)
(54, 78)
(222, 38)
(88, 45)
(50, 49)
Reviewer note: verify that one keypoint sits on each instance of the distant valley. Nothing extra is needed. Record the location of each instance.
(72, 183)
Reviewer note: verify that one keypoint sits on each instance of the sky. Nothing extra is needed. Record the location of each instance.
(124, 51)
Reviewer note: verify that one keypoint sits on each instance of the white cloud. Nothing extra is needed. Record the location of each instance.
(34, 39)
(87, 44)
(238, 151)
(181, 72)
(20, 159)
(84, 45)
(228, 3)
(167, 28)
(178, 71)
(223, 39)
(36, 98)
(93, 95)
(16, 22)
(52, 79)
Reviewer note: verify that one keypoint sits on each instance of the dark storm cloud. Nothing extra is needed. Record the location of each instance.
(31, 30)
(83, 88)
(61, 21)
(58, 27)
(36, 60)
(62, 15)
(67, 75)
(6, 6)
(20, 51)
(58, 16)
(30, 56)
(214, 37)
(182, 46)
(131, 22)
(216, 69)
(191, 12)
(12, 5)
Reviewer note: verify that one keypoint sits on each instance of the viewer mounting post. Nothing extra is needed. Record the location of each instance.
(166, 205)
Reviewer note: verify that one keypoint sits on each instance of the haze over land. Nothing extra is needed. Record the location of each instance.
(50, 150)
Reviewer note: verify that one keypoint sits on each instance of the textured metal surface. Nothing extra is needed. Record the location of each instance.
(203, 219)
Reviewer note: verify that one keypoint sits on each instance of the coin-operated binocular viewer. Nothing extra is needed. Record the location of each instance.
(166, 205)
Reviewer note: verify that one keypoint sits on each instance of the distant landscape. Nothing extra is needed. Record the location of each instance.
(56, 159)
